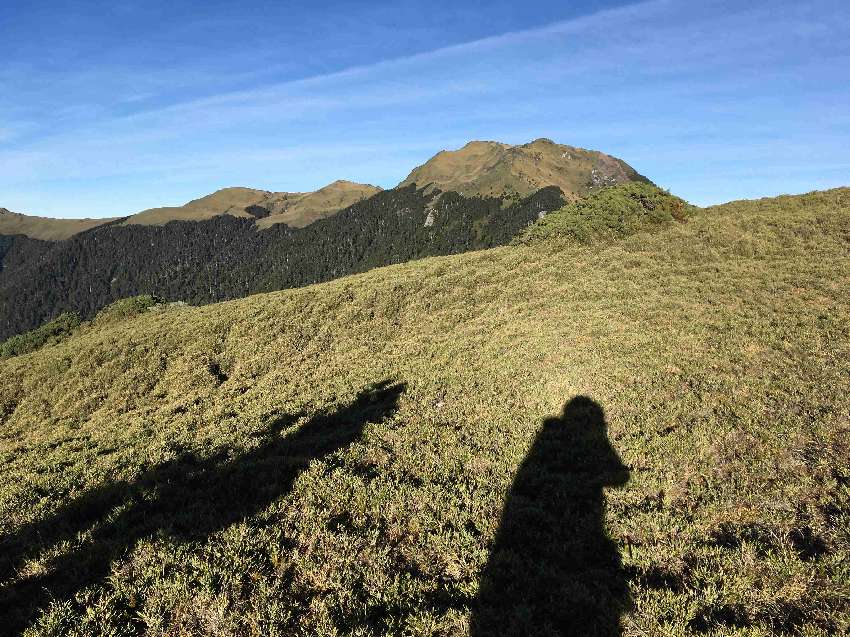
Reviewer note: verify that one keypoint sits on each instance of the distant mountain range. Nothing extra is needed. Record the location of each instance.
(239, 241)
(296, 209)
(481, 168)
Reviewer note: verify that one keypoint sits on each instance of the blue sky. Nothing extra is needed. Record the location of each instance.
(111, 107)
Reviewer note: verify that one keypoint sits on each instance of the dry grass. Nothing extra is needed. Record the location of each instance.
(44, 227)
(493, 169)
(296, 209)
(342, 459)
(303, 209)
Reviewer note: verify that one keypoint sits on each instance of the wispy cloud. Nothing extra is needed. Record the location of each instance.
(660, 83)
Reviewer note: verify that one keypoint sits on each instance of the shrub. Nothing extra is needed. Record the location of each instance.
(126, 308)
(610, 213)
(53, 332)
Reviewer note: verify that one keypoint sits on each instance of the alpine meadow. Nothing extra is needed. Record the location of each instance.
(632, 420)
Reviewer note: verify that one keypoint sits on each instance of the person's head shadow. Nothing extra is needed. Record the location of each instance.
(552, 569)
(186, 498)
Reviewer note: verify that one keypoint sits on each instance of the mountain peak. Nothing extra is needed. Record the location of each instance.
(542, 141)
(479, 168)
(346, 183)
(489, 168)
(300, 209)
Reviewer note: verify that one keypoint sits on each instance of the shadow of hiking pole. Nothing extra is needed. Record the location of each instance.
(552, 570)
(190, 498)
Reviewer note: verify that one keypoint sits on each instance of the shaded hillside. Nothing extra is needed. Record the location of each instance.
(493, 169)
(16, 250)
(227, 257)
(644, 435)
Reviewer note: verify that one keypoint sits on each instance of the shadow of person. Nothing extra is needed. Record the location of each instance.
(552, 570)
(189, 498)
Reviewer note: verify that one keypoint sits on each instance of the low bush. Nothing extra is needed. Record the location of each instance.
(123, 309)
(611, 213)
(56, 330)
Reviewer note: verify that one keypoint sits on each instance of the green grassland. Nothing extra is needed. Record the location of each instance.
(635, 426)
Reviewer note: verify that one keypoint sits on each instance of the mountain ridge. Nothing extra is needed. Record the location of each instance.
(239, 241)
(480, 168)
(46, 228)
(296, 209)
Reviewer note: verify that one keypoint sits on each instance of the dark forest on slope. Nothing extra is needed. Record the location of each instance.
(227, 257)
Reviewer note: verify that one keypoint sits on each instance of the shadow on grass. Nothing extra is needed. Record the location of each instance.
(189, 498)
(552, 569)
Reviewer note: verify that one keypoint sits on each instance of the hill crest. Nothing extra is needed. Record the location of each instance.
(480, 168)
(45, 228)
(301, 209)
(296, 209)
(492, 169)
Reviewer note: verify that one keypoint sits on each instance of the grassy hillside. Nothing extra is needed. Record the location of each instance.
(227, 201)
(53, 331)
(303, 210)
(493, 169)
(585, 434)
(296, 209)
(44, 228)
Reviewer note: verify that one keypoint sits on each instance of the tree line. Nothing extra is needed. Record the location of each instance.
(226, 257)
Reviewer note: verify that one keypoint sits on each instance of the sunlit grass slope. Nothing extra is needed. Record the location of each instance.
(389, 453)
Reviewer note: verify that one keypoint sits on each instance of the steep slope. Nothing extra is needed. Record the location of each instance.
(44, 228)
(493, 169)
(640, 436)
